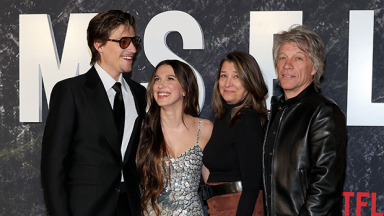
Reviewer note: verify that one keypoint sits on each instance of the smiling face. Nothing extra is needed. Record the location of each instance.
(113, 59)
(166, 88)
(230, 86)
(294, 68)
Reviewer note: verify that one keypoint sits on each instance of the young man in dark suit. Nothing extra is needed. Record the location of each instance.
(93, 128)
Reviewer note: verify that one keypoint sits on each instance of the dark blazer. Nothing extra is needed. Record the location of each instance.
(304, 162)
(81, 158)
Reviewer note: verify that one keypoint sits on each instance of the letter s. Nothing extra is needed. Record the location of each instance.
(155, 46)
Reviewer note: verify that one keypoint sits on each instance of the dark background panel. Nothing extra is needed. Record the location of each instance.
(225, 26)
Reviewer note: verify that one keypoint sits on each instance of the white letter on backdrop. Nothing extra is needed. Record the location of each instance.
(360, 109)
(39, 60)
(155, 45)
(263, 25)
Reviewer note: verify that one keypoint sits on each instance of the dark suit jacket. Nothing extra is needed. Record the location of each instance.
(81, 158)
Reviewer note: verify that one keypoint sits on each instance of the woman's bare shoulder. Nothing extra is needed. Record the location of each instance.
(205, 132)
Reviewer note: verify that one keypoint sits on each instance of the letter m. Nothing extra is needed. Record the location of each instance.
(39, 61)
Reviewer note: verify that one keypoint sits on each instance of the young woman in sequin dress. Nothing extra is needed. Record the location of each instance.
(169, 157)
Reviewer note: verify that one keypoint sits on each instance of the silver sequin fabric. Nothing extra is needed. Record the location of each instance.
(180, 195)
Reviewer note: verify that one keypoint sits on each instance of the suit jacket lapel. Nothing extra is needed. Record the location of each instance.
(135, 136)
(137, 97)
(97, 98)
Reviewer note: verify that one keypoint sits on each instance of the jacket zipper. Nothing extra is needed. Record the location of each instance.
(273, 155)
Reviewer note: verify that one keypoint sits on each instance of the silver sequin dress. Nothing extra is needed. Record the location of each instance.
(180, 196)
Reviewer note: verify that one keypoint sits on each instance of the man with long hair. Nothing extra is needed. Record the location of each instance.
(305, 145)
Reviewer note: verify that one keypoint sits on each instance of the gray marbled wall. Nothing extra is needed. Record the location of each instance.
(225, 24)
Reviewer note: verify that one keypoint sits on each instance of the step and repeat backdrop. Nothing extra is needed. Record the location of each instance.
(43, 42)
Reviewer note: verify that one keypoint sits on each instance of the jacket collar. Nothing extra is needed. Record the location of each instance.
(97, 98)
(100, 106)
(280, 100)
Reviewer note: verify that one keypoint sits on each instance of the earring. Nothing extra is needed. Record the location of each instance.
(183, 95)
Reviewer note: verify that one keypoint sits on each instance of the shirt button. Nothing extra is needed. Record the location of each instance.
(270, 153)
(274, 133)
(117, 190)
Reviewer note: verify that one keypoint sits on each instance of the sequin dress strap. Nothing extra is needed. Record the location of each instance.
(198, 132)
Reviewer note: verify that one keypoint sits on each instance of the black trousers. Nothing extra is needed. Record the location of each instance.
(122, 208)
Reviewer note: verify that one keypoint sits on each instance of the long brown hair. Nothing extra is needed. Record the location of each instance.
(152, 150)
(252, 80)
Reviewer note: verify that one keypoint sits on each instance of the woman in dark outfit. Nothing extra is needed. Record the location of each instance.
(233, 156)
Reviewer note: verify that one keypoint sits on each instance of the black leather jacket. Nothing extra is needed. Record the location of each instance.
(304, 156)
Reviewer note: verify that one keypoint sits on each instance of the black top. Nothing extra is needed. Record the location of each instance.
(235, 154)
